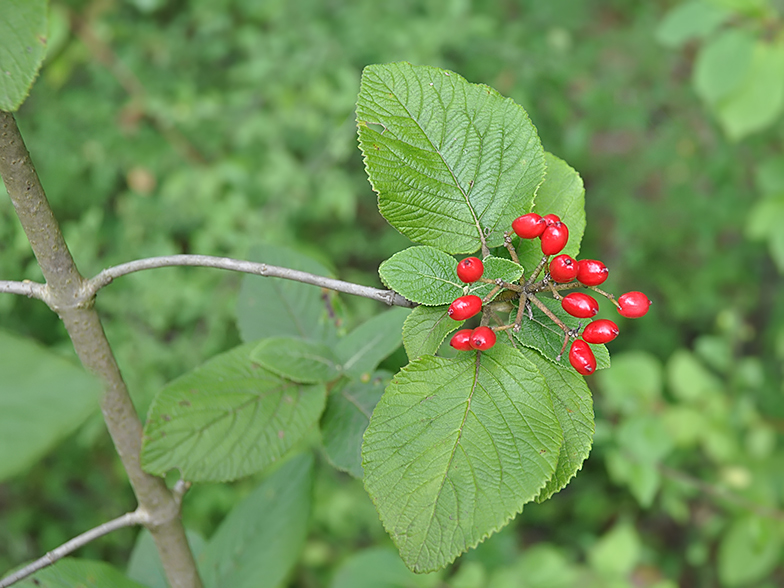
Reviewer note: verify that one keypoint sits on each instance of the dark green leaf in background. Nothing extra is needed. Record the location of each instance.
(422, 274)
(78, 573)
(690, 20)
(144, 565)
(274, 307)
(23, 30)
(749, 551)
(307, 362)
(448, 159)
(455, 448)
(426, 328)
(562, 193)
(722, 64)
(346, 417)
(260, 540)
(379, 567)
(365, 347)
(227, 418)
(43, 398)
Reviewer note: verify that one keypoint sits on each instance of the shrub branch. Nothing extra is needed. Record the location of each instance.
(65, 295)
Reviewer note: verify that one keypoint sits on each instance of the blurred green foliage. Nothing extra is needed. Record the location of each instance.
(207, 126)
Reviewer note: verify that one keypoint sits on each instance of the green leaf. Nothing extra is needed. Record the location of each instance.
(562, 193)
(365, 347)
(422, 274)
(425, 329)
(299, 360)
(227, 418)
(495, 268)
(78, 573)
(542, 334)
(642, 478)
(22, 48)
(617, 552)
(144, 565)
(690, 20)
(43, 399)
(722, 64)
(274, 307)
(455, 448)
(448, 159)
(258, 543)
(574, 409)
(758, 102)
(346, 417)
(634, 384)
(380, 568)
(749, 551)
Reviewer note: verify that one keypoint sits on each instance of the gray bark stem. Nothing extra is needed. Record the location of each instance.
(64, 291)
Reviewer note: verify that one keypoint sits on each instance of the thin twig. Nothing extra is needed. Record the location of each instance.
(129, 519)
(389, 297)
(26, 288)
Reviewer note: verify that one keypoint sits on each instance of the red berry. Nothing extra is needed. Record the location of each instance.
(563, 268)
(580, 305)
(470, 269)
(633, 304)
(529, 225)
(600, 331)
(465, 307)
(582, 358)
(591, 272)
(462, 340)
(551, 219)
(482, 338)
(554, 238)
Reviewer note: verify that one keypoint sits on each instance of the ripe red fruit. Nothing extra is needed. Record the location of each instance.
(633, 304)
(580, 305)
(482, 338)
(554, 238)
(582, 358)
(470, 269)
(465, 307)
(462, 340)
(591, 272)
(529, 225)
(563, 268)
(600, 331)
(551, 219)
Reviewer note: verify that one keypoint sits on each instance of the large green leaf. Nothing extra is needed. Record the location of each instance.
(78, 573)
(449, 160)
(274, 307)
(574, 409)
(365, 347)
(759, 99)
(425, 329)
(542, 334)
(23, 30)
(303, 361)
(227, 418)
(422, 274)
(346, 417)
(455, 448)
(562, 193)
(260, 540)
(43, 398)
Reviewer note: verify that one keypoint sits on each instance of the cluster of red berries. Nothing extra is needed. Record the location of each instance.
(564, 271)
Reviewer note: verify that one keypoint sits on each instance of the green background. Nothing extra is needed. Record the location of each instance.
(164, 126)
